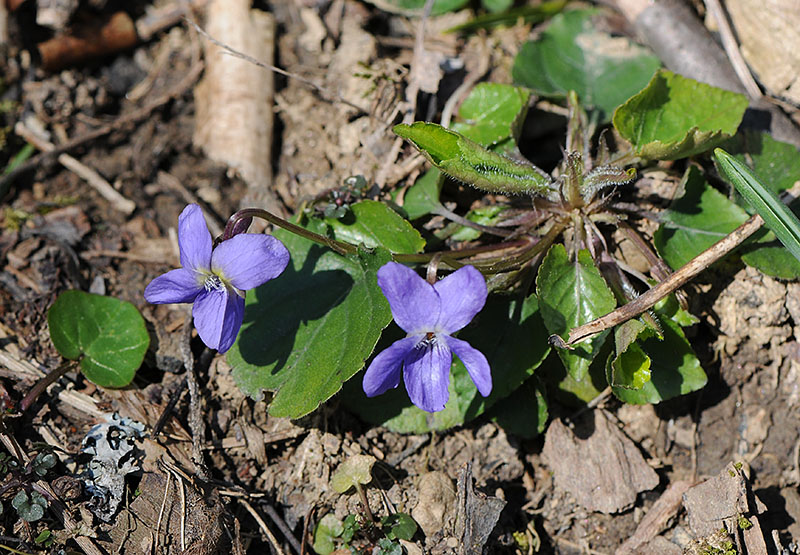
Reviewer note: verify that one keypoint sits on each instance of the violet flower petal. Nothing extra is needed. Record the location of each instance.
(249, 260)
(415, 305)
(476, 364)
(218, 315)
(176, 286)
(194, 239)
(384, 372)
(427, 375)
(463, 295)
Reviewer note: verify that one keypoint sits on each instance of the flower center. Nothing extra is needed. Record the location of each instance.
(213, 283)
(428, 341)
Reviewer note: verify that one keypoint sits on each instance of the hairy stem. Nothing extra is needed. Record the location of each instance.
(346, 248)
(499, 264)
(452, 216)
(338, 246)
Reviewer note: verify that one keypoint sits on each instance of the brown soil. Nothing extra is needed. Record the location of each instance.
(259, 483)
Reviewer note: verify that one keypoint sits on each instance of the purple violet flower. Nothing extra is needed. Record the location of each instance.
(429, 314)
(215, 281)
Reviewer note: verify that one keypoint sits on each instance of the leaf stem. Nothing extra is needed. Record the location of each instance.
(364, 502)
(12, 550)
(500, 264)
(346, 248)
(677, 279)
(458, 253)
(339, 246)
(452, 216)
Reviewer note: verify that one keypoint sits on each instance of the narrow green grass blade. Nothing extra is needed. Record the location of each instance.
(776, 214)
(19, 158)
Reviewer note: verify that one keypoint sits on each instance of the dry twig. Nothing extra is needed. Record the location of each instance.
(119, 202)
(196, 424)
(137, 115)
(652, 296)
(732, 49)
(262, 525)
(326, 94)
(674, 281)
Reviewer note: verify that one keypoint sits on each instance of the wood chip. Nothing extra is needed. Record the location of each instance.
(727, 500)
(477, 514)
(605, 471)
(436, 504)
(167, 514)
(656, 520)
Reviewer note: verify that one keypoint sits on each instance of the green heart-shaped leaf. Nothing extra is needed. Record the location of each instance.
(630, 368)
(492, 113)
(676, 117)
(310, 329)
(695, 221)
(107, 334)
(674, 369)
(573, 293)
(573, 55)
(373, 224)
(356, 469)
(422, 197)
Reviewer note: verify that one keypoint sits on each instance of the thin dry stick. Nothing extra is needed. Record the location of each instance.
(163, 506)
(594, 403)
(182, 491)
(40, 386)
(650, 298)
(170, 182)
(306, 520)
(158, 20)
(15, 366)
(279, 522)
(469, 81)
(694, 451)
(796, 456)
(196, 424)
(119, 202)
(417, 61)
(180, 479)
(659, 269)
(11, 444)
(263, 525)
(178, 90)
(320, 89)
(732, 49)
(125, 255)
(452, 216)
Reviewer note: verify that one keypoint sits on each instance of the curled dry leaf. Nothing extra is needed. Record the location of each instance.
(355, 470)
